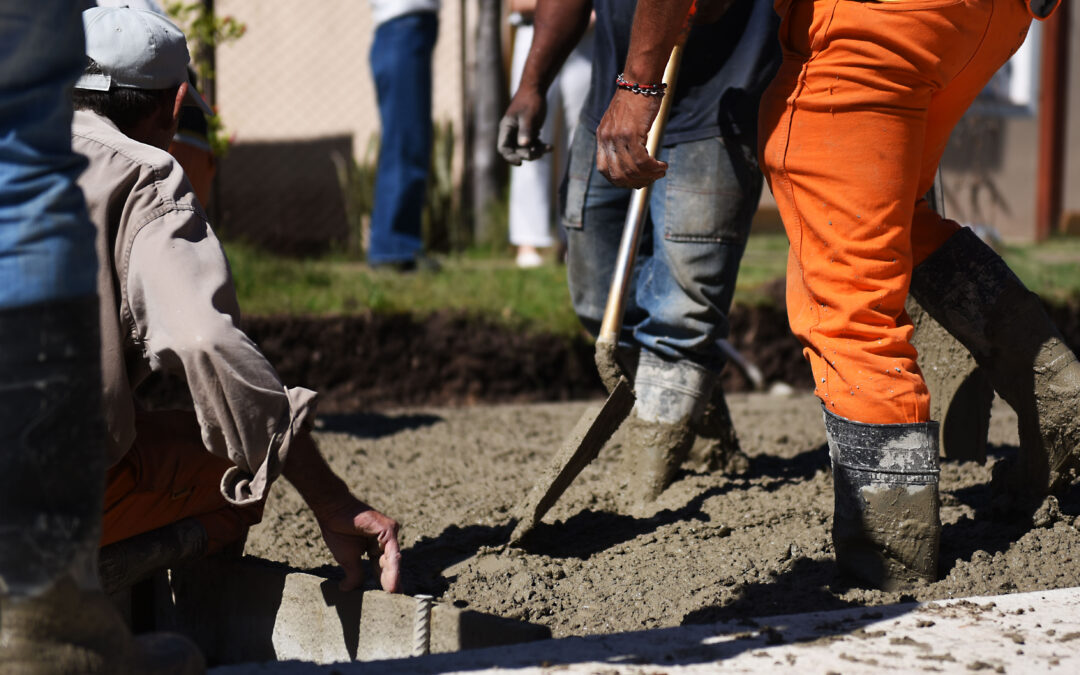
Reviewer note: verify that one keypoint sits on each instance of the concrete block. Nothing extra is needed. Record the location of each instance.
(960, 391)
(243, 610)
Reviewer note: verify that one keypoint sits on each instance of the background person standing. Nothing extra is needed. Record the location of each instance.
(532, 193)
(405, 34)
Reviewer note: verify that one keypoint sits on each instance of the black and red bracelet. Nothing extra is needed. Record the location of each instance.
(657, 89)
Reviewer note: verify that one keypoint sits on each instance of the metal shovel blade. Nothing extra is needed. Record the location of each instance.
(592, 431)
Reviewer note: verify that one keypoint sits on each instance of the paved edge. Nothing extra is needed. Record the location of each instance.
(1023, 632)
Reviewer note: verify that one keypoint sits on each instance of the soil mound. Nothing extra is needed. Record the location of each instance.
(378, 361)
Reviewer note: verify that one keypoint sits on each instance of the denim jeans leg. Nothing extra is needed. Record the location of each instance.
(701, 213)
(401, 65)
(52, 458)
(46, 240)
(594, 212)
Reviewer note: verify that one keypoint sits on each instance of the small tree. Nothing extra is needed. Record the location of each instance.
(205, 30)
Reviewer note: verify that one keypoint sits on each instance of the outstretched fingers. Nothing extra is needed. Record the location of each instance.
(382, 546)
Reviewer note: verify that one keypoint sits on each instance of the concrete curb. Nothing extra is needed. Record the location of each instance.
(1020, 633)
(245, 610)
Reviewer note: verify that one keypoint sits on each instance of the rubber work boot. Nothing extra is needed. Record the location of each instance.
(671, 396)
(886, 524)
(970, 291)
(54, 618)
(717, 446)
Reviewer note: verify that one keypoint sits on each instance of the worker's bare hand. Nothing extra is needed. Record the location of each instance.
(353, 529)
(519, 129)
(620, 141)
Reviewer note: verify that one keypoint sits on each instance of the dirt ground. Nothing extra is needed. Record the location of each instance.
(712, 547)
(375, 361)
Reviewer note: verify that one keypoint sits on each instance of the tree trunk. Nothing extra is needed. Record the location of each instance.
(488, 103)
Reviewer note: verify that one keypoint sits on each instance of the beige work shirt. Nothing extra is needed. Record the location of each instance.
(170, 333)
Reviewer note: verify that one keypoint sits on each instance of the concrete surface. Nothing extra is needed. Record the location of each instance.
(244, 610)
(1022, 633)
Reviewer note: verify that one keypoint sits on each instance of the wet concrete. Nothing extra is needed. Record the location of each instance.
(711, 548)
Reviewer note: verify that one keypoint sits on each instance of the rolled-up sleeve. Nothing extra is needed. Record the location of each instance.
(183, 307)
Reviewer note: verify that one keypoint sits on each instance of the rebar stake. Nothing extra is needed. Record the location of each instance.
(422, 626)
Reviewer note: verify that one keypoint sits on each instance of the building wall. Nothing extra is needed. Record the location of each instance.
(989, 171)
(296, 91)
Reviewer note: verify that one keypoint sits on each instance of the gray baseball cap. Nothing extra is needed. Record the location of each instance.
(136, 49)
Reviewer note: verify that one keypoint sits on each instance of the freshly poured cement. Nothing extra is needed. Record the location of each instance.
(711, 548)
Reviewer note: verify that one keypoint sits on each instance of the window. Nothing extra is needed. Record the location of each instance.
(1014, 89)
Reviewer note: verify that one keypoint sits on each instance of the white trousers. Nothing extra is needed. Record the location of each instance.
(534, 185)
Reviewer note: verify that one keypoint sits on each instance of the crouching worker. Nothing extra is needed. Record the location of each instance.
(199, 423)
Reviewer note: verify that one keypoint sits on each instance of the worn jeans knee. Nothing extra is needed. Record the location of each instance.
(694, 237)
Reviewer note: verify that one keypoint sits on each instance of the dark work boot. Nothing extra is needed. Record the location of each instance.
(970, 291)
(670, 398)
(886, 528)
(54, 618)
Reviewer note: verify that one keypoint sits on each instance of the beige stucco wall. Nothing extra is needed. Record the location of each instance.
(990, 167)
(301, 73)
(301, 70)
(297, 94)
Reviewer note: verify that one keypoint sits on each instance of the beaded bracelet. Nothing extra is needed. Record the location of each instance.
(643, 89)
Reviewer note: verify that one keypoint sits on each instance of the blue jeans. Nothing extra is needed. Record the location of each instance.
(694, 237)
(401, 64)
(52, 458)
(46, 241)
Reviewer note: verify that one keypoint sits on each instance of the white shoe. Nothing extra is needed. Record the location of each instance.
(529, 259)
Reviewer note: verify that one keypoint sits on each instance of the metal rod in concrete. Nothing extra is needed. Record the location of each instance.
(422, 627)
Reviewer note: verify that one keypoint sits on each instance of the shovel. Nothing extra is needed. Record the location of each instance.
(594, 429)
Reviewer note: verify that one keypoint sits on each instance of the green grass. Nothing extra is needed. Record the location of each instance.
(489, 285)
(495, 288)
(1050, 268)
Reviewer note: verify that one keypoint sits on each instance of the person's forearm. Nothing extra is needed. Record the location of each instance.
(312, 477)
(557, 28)
(656, 28)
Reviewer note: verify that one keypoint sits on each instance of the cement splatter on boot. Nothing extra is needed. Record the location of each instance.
(671, 395)
(717, 446)
(654, 453)
(893, 542)
(886, 527)
(970, 291)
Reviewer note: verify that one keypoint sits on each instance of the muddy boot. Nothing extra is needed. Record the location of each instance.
(717, 447)
(970, 291)
(670, 398)
(886, 528)
(54, 617)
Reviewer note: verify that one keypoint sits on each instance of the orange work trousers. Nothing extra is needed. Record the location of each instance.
(852, 131)
(167, 476)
